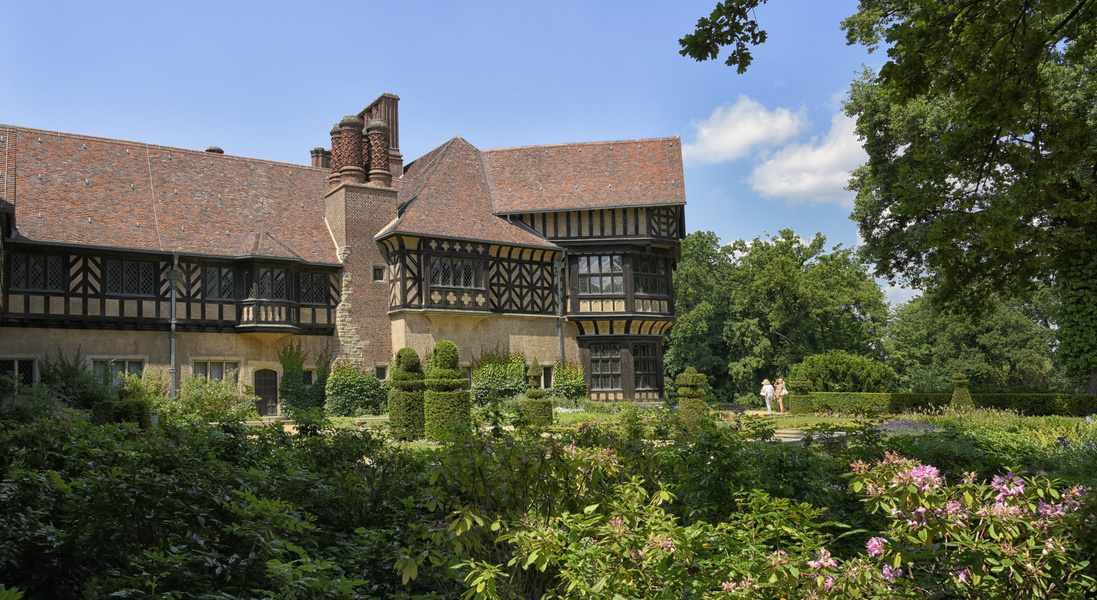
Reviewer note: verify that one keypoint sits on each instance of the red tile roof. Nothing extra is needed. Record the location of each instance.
(586, 176)
(445, 194)
(75, 189)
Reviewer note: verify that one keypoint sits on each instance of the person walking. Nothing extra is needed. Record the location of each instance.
(767, 393)
(780, 391)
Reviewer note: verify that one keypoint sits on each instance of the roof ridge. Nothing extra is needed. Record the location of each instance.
(595, 143)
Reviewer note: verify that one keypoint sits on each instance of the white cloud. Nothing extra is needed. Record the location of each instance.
(897, 294)
(817, 171)
(735, 131)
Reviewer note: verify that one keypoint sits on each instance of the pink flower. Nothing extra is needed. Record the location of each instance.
(824, 560)
(891, 574)
(1007, 485)
(925, 477)
(876, 546)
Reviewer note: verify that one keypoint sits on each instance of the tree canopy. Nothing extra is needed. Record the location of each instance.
(981, 132)
(749, 310)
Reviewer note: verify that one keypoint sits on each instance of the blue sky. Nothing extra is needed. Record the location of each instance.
(763, 151)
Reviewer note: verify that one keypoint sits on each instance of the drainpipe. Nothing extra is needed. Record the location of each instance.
(174, 278)
(560, 302)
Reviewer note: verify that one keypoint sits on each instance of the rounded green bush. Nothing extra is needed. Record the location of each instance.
(351, 393)
(446, 356)
(446, 401)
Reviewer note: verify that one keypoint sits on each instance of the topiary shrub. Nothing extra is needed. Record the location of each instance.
(961, 397)
(535, 409)
(447, 400)
(692, 406)
(352, 393)
(799, 395)
(406, 396)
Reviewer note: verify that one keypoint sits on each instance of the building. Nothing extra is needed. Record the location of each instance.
(200, 262)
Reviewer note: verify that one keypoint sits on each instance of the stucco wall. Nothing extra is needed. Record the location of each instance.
(253, 351)
(474, 334)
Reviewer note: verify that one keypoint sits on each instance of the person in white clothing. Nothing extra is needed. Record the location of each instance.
(767, 393)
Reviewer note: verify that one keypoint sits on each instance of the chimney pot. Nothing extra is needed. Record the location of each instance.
(215, 150)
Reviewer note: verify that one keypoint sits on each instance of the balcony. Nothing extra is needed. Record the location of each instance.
(268, 316)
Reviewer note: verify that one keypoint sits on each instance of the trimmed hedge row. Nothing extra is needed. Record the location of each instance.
(1035, 405)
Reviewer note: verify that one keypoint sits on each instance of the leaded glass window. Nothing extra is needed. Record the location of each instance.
(131, 277)
(650, 275)
(451, 271)
(37, 272)
(220, 283)
(313, 287)
(645, 365)
(601, 274)
(605, 366)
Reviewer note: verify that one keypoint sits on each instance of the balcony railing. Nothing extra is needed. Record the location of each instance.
(269, 315)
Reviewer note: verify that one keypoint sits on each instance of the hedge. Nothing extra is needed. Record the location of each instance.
(1034, 405)
(536, 411)
(692, 406)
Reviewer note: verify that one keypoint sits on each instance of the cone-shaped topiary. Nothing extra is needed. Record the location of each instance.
(447, 399)
(961, 397)
(535, 408)
(406, 398)
(691, 397)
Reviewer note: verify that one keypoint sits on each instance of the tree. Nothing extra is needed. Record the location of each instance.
(749, 310)
(1007, 349)
(980, 132)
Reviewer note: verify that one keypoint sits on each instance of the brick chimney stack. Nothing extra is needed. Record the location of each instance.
(351, 167)
(378, 134)
(321, 158)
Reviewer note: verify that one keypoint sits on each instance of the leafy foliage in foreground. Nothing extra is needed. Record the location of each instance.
(591, 511)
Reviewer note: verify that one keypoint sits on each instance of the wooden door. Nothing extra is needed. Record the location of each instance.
(266, 387)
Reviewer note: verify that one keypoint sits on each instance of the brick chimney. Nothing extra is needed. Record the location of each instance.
(386, 108)
(378, 134)
(321, 158)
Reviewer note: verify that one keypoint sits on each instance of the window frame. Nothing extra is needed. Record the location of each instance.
(53, 271)
(222, 362)
(125, 265)
(318, 285)
(442, 266)
(597, 361)
(221, 282)
(16, 372)
(606, 268)
(111, 361)
(651, 360)
(657, 276)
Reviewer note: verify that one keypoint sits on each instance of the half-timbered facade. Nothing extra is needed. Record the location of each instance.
(203, 263)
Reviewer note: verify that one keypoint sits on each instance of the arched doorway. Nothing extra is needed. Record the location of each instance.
(266, 387)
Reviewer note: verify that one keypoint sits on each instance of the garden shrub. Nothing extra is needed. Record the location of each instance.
(534, 408)
(446, 402)
(292, 393)
(692, 406)
(498, 375)
(406, 396)
(840, 371)
(317, 394)
(568, 381)
(29, 404)
(125, 410)
(151, 385)
(352, 393)
(74, 385)
(961, 397)
(202, 399)
(1075, 405)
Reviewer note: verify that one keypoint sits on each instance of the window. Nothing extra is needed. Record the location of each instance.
(378, 273)
(272, 283)
(313, 288)
(19, 369)
(449, 271)
(131, 278)
(605, 366)
(37, 272)
(381, 372)
(644, 366)
(115, 367)
(219, 283)
(546, 378)
(307, 378)
(217, 369)
(649, 273)
(601, 274)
